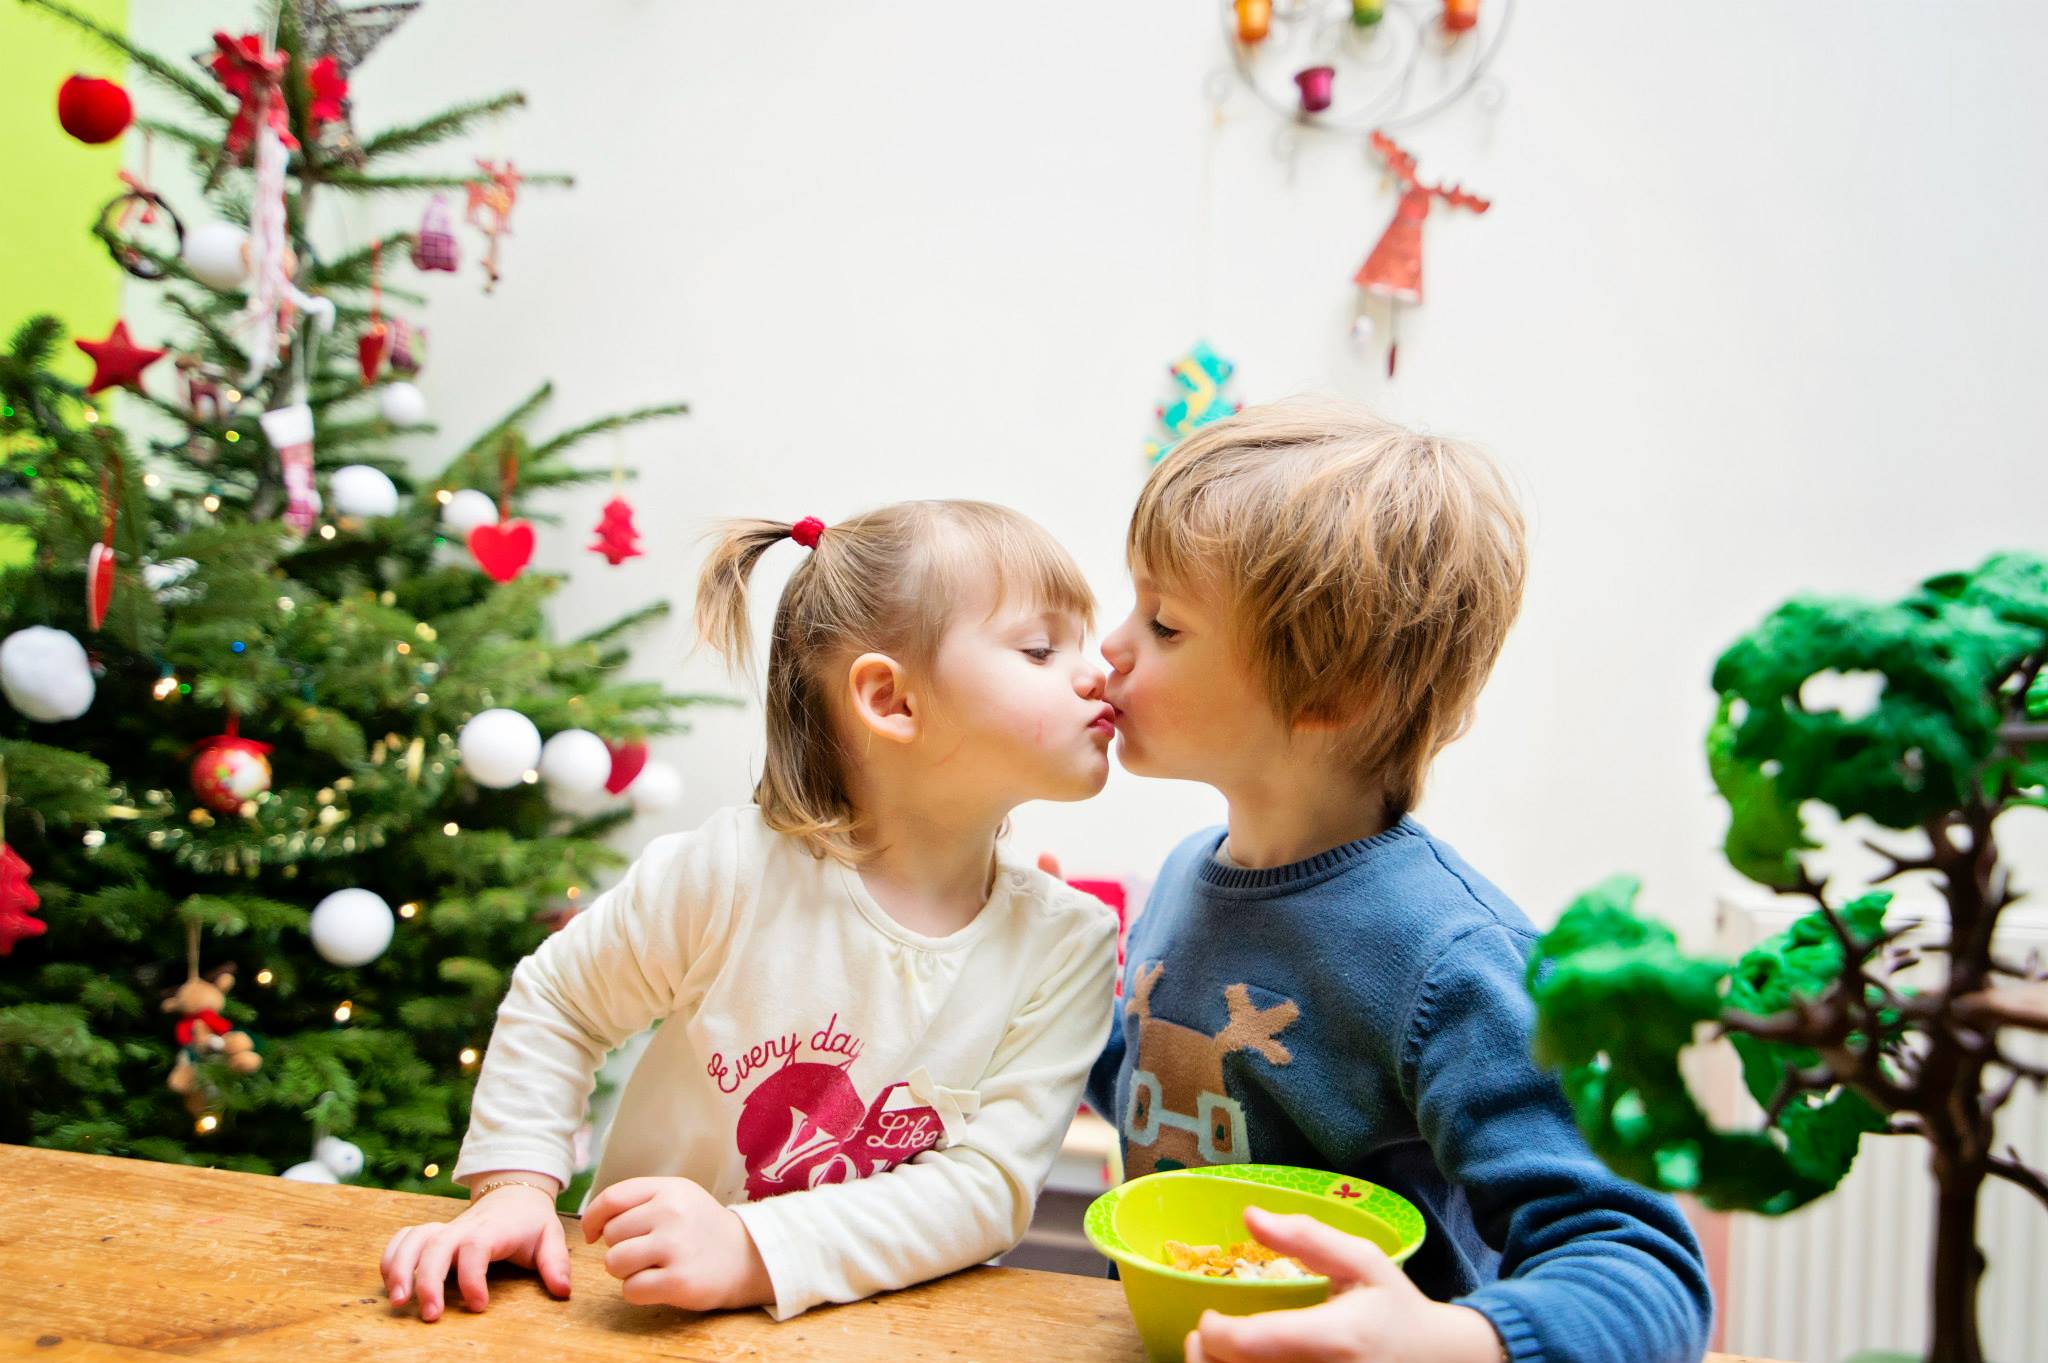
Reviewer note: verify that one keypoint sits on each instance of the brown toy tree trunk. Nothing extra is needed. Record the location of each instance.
(1937, 1092)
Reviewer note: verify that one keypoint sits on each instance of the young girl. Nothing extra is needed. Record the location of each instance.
(875, 1031)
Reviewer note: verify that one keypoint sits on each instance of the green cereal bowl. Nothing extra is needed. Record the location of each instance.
(1130, 1224)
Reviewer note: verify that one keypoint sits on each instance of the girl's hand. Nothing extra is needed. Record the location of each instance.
(672, 1244)
(1374, 1313)
(514, 1222)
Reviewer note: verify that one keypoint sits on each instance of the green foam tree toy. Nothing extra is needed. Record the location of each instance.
(1833, 1040)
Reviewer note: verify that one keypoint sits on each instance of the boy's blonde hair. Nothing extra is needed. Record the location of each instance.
(1370, 572)
(888, 581)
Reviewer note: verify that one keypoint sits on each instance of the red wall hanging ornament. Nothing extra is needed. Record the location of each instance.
(1254, 21)
(1394, 269)
(1316, 83)
(94, 110)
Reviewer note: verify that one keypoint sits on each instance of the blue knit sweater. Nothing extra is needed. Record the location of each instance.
(1364, 1012)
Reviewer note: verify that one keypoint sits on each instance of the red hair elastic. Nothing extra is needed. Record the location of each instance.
(806, 531)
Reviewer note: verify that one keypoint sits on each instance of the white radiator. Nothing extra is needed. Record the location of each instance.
(1850, 1272)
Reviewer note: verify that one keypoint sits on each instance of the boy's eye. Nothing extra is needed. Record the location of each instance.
(1161, 630)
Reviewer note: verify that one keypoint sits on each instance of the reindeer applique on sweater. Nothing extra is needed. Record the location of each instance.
(1181, 1114)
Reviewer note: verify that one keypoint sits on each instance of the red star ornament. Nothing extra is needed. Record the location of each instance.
(118, 362)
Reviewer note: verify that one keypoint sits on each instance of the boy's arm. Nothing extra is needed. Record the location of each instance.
(611, 971)
(1593, 1267)
(952, 1208)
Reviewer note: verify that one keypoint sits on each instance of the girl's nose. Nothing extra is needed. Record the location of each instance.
(1089, 681)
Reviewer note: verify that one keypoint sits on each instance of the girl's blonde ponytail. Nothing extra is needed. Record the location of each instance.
(722, 587)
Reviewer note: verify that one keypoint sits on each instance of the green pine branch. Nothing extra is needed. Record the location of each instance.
(203, 95)
(223, 349)
(203, 147)
(34, 343)
(352, 271)
(355, 182)
(631, 620)
(620, 421)
(440, 127)
(468, 467)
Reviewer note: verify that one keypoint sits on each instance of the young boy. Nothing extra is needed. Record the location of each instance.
(1320, 596)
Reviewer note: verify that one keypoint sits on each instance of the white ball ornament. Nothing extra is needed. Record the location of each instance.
(402, 403)
(45, 675)
(575, 762)
(343, 1159)
(498, 748)
(310, 1171)
(216, 255)
(467, 510)
(351, 927)
(658, 787)
(360, 490)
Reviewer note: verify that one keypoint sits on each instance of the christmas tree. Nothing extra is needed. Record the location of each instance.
(277, 815)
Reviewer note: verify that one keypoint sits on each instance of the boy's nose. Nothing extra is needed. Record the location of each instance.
(1116, 649)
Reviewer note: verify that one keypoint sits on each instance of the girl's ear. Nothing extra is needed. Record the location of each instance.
(881, 699)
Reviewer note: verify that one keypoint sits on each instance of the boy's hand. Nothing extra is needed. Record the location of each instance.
(673, 1244)
(515, 1223)
(1050, 864)
(1375, 1314)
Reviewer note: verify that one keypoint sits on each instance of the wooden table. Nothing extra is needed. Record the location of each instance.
(125, 1260)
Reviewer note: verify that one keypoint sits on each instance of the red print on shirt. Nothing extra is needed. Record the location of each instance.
(805, 1125)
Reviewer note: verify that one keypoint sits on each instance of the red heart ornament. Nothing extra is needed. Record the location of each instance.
(371, 348)
(501, 550)
(627, 759)
(99, 583)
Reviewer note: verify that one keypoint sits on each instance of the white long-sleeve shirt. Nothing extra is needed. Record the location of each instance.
(908, 1092)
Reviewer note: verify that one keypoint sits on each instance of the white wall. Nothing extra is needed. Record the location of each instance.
(1756, 312)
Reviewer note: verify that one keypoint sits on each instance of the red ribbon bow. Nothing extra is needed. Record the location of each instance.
(255, 76)
(806, 531)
